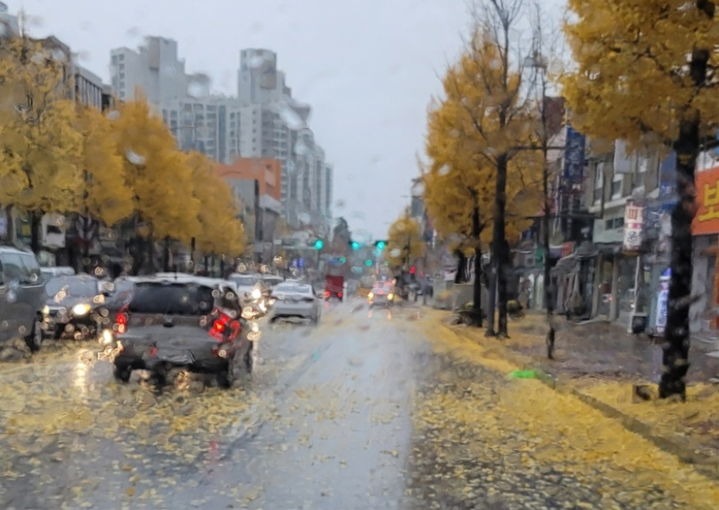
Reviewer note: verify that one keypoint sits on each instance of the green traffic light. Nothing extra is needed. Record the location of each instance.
(381, 245)
(368, 263)
(319, 244)
(343, 260)
(355, 245)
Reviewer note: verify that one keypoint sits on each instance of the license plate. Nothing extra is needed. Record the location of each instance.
(178, 357)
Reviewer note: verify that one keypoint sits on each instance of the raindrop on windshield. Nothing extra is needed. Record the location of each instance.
(134, 158)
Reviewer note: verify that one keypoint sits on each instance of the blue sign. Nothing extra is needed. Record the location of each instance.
(667, 181)
(574, 156)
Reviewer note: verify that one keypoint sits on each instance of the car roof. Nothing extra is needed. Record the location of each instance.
(12, 249)
(181, 278)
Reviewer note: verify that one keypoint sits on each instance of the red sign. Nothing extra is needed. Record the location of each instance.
(706, 220)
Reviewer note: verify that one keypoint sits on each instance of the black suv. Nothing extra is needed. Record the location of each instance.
(195, 323)
(22, 297)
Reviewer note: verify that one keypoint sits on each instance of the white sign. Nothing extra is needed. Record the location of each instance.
(633, 221)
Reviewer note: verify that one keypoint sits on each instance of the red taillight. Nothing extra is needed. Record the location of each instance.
(339, 294)
(121, 320)
(221, 325)
(327, 293)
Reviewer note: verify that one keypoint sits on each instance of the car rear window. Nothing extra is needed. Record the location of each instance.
(81, 287)
(294, 288)
(245, 280)
(172, 299)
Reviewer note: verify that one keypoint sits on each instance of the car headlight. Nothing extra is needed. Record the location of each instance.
(46, 310)
(107, 337)
(256, 293)
(390, 297)
(370, 295)
(81, 309)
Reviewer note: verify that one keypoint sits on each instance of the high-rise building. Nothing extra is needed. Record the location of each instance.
(263, 121)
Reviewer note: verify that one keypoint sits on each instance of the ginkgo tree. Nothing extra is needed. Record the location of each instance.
(479, 131)
(404, 243)
(221, 232)
(39, 145)
(159, 177)
(646, 72)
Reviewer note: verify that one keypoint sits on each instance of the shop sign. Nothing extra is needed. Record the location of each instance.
(706, 220)
(660, 322)
(633, 221)
(574, 156)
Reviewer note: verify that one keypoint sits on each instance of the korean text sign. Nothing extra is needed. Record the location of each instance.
(706, 220)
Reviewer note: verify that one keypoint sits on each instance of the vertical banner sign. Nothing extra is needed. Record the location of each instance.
(706, 220)
(574, 156)
(633, 221)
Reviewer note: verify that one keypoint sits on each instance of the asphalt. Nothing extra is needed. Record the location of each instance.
(360, 412)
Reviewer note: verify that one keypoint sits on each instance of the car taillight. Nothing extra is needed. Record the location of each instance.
(327, 293)
(224, 328)
(121, 320)
(339, 294)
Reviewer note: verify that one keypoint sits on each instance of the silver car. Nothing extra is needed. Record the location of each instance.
(22, 297)
(295, 300)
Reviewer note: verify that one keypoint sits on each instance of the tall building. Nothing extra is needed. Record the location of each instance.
(263, 121)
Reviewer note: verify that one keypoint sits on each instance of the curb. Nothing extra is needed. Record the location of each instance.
(683, 449)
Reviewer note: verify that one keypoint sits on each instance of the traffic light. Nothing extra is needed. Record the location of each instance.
(319, 244)
(355, 245)
(380, 245)
(343, 260)
(368, 263)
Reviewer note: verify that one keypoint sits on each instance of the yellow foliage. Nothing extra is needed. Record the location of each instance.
(107, 195)
(157, 172)
(220, 230)
(40, 147)
(632, 79)
(466, 137)
(404, 242)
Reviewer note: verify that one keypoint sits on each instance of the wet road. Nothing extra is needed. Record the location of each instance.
(365, 411)
(325, 423)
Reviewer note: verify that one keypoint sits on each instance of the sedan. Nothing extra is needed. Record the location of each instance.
(295, 300)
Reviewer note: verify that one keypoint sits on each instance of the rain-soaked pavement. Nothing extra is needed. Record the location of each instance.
(360, 412)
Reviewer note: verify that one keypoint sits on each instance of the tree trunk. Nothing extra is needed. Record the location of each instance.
(461, 267)
(151, 256)
(10, 234)
(548, 295)
(477, 290)
(491, 299)
(676, 345)
(166, 254)
(35, 226)
(499, 244)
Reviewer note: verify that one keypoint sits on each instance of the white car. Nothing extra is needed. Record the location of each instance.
(295, 300)
(249, 285)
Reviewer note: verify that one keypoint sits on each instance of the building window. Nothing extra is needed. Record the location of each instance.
(613, 223)
(617, 186)
(598, 181)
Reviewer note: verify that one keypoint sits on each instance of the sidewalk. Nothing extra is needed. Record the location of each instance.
(599, 363)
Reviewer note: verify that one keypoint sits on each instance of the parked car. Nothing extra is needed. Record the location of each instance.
(295, 300)
(75, 306)
(22, 297)
(382, 294)
(190, 322)
(51, 272)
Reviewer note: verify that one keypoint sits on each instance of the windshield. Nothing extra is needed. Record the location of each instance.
(432, 254)
(291, 288)
(171, 299)
(245, 280)
(76, 287)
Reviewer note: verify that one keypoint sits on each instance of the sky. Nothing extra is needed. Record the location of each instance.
(368, 68)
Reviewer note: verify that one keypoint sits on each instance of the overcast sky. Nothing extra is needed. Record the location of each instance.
(367, 67)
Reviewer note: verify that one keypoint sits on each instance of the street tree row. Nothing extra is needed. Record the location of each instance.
(121, 166)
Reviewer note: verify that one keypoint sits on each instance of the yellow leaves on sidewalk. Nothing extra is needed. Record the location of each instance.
(526, 422)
